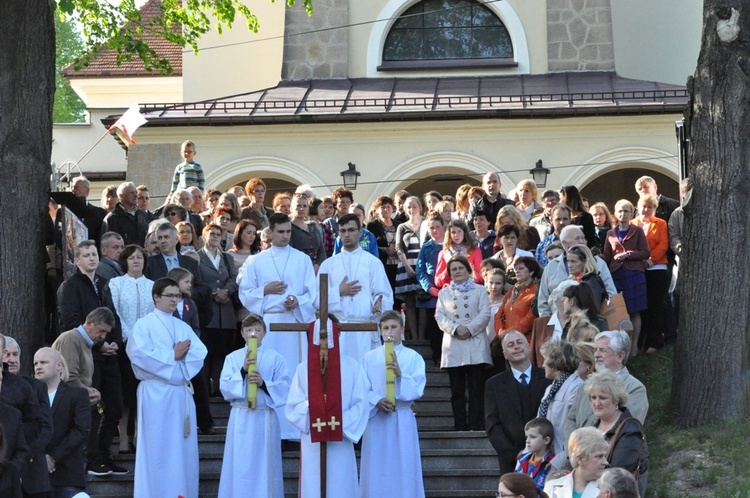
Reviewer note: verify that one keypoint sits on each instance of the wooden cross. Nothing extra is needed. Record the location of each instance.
(343, 327)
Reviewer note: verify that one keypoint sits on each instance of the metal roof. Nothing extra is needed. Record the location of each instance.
(390, 99)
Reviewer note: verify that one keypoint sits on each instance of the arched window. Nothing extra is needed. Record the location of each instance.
(447, 33)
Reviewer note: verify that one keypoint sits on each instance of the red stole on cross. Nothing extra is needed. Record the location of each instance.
(324, 401)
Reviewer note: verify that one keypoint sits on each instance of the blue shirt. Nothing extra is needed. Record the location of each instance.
(85, 336)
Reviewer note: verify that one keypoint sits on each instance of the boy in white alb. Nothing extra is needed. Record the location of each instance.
(391, 464)
(252, 453)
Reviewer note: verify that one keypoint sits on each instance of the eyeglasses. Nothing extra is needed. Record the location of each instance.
(172, 296)
(171, 214)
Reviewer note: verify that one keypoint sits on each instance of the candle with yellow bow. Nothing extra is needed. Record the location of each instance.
(252, 360)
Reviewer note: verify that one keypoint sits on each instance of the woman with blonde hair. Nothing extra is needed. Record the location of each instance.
(527, 204)
(187, 237)
(463, 203)
(528, 237)
(582, 268)
(602, 223)
(587, 450)
(657, 276)
(627, 253)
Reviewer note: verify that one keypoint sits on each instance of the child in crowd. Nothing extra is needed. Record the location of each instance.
(553, 250)
(188, 173)
(494, 282)
(257, 428)
(535, 461)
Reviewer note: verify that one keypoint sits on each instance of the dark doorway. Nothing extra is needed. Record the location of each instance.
(620, 184)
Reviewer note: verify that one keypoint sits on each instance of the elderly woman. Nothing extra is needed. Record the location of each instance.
(528, 237)
(282, 203)
(384, 229)
(515, 312)
(608, 396)
(657, 276)
(554, 326)
(463, 310)
(602, 223)
(305, 235)
(508, 236)
(582, 268)
(587, 450)
(517, 485)
(571, 197)
(561, 363)
(527, 201)
(131, 295)
(458, 241)
(627, 253)
(407, 249)
(219, 272)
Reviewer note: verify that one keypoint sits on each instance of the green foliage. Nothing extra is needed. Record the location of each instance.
(68, 107)
(119, 27)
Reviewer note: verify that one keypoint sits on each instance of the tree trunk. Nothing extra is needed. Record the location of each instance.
(711, 357)
(27, 82)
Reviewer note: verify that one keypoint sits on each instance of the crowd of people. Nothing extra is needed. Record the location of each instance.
(509, 292)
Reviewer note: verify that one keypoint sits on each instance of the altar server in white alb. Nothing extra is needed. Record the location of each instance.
(391, 465)
(279, 284)
(342, 478)
(165, 354)
(252, 453)
(358, 288)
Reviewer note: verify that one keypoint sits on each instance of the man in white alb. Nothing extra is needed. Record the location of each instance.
(279, 284)
(165, 354)
(358, 288)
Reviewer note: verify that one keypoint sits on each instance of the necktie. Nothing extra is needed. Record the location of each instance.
(523, 379)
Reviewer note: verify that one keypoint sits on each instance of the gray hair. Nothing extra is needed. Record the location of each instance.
(610, 382)
(104, 240)
(154, 225)
(80, 179)
(584, 442)
(163, 227)
(557, 293)
(619, 482)
(121, 188)
(619, 341)
(10, 342)
(570, 228)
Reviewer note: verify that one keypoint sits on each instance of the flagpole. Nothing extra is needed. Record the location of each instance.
(92, 147)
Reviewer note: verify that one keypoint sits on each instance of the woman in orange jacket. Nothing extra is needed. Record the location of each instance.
(515, 312)
(657, 276)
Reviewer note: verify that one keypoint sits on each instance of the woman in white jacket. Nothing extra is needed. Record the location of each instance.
(462, 313)
(587, 449)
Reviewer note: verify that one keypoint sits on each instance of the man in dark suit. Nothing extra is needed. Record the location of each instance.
(71, 418)
(16, 452)
(90, 215)
(126, 218)
(35, 477)
(512, 398)
(111, 247)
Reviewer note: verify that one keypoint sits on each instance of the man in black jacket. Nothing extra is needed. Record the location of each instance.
(71, 417)
(492, 200)
(512, 398)
(78, 296)
(127, 219)
(35, 477)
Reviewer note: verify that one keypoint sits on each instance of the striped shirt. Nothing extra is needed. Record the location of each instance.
(187, 175)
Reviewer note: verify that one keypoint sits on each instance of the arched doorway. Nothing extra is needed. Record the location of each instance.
(446, 184)
(279, 175)
(620, 184)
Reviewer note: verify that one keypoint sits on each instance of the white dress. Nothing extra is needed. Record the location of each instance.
(361, 266)
(132, 299)
(296, 270)
(166, 459)
(342, 480)
(255, 430)
(392, 438)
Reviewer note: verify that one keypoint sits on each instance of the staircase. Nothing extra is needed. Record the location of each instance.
(454, 464)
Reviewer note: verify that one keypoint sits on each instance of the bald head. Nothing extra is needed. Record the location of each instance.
(491, 184)
(49, 366)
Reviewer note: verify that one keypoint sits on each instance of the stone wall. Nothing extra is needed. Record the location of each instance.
(153, 166)
(579, 35)
(324, 54)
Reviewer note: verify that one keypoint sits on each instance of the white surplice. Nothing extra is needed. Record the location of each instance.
(253, 431)
(358, 265)
(391, 464)
(166, 461)
(296, 270)
(342, 480)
